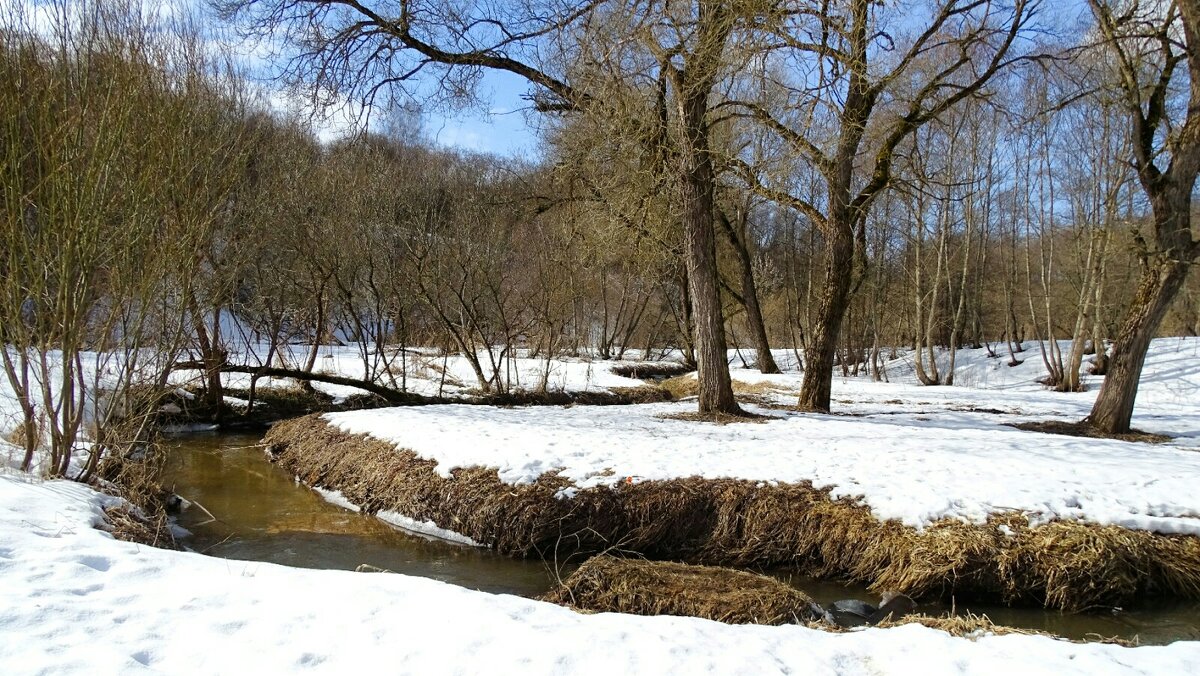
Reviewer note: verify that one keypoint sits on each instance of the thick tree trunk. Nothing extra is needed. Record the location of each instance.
(697, 182)
(1163, 274)
(1113, 409)
(816, 390)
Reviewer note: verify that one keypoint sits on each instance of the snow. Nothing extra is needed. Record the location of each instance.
(75, 601)
(427, 529)
(911, 453)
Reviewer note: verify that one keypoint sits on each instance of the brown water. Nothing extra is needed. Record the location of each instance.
(262, 514)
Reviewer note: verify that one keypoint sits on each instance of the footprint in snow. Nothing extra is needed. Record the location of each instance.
(98, 563)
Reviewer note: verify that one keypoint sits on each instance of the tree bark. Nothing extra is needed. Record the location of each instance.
(754, 319)
(1163, 275)
(816, 389)
(697, 187)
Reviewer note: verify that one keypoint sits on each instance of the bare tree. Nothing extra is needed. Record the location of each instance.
(369, 47)
(855, 92)
(1148, 42)
(106, 114)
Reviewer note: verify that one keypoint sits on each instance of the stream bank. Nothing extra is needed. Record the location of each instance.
(265, 515)
(1009, 559)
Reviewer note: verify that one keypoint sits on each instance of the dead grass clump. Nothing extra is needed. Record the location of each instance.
(1063, 565)
(609, 584)
(130, 524)
(1082, 429)
(662, 370)
(718, 418)
(614, 396)
(681, 387)
(18, 436)
(968, 625)
(133, 472)
(686, 386)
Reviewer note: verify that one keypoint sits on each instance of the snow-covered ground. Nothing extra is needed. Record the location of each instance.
(912, 453)
(424, 371)
(75, 601)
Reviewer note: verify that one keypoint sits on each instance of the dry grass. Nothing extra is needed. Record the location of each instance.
(718, 418)
(1080, 429)
(615, 396)
(1064, 565)
(132, 525)
(974, 626)
(652, 371)
(968, 625)
(605, 584)
(685, 386)
(16, 435)
(681, 387)
(608, 584)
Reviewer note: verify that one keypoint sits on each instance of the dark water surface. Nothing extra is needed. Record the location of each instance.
(263, 514)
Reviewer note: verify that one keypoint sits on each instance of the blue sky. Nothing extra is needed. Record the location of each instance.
(503, 125)
(504, 129)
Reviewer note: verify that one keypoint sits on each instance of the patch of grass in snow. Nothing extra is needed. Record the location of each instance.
(1080, 429)
(682, 387)
(971, 626)
(615, 396)
(717, 418)
(126, 522)
(606, 584)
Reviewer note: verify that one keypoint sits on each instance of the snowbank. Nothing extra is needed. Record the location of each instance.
(73, 600)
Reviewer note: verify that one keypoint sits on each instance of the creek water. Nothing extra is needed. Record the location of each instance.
(256, 511)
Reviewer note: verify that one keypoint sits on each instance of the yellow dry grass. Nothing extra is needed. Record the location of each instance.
(126, 523)
(616, 585)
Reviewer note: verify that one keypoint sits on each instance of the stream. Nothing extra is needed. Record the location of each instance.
(260, 513)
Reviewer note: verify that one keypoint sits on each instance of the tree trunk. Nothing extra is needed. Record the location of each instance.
(754, 319)
(1114, 406)
(697, 183)
(1163, 275)
(816, 389)
(687, 330)
(213, 357)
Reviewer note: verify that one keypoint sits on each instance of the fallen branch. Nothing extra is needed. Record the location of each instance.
(386, 393)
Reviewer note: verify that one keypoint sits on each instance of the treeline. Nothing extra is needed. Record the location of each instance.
(728, 182)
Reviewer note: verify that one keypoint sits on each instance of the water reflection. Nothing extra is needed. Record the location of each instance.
(260, 513)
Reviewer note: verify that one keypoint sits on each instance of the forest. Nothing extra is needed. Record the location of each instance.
(836, 184)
